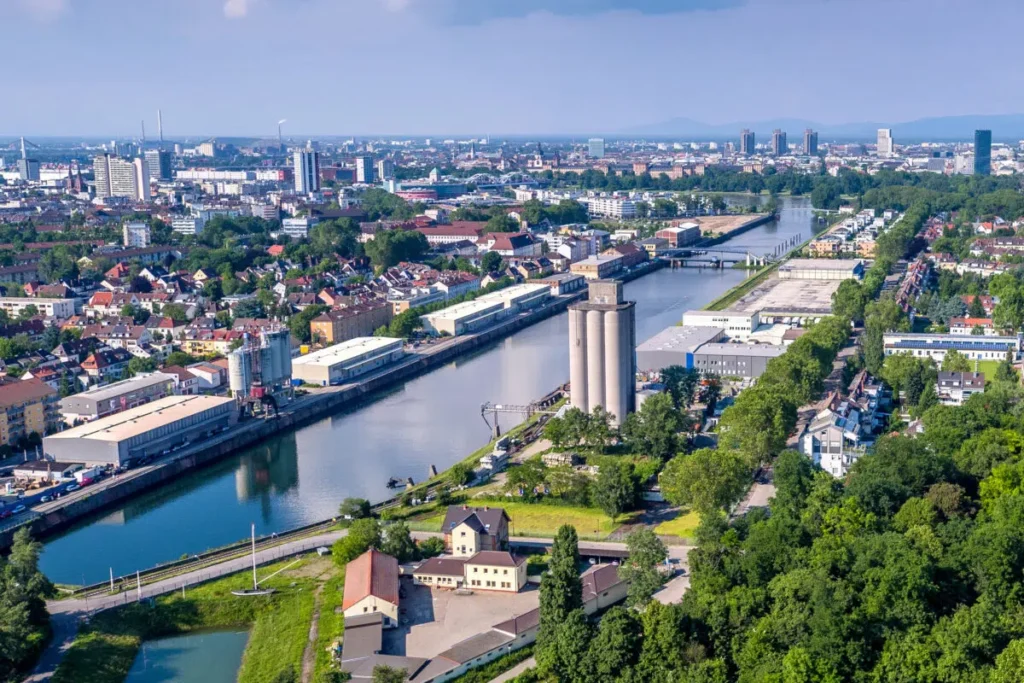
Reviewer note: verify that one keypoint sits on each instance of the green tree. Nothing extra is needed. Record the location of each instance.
(706, 480)
(616, 646)
(850, 300)
(975, 309)
(390, 247)
(397, 542)
(298, 325)
(1009, 664)
(501, 222)
(141, 365)
(388, 674)
(681, 384)
(524, 478)
(460, 474)
(490, 262)
(954, 361)
(654, 429)
(431, 547)
(354, 508)
(363, 534)
(615, 490)
(561, 593)
(646, 553)
(175, 312)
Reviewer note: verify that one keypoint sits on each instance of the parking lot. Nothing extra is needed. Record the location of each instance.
(433, 620)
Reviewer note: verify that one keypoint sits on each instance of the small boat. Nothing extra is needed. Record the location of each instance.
(394, 483)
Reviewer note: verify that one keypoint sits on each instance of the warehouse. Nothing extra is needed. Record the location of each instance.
(521, 297)
(463, 318)
(345, 361)
(675, 346)
(737, 324)
(735, 360)
(113, 398)
(144, 432)
(821, 269)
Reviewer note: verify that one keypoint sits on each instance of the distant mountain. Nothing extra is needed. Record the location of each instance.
(938, 128)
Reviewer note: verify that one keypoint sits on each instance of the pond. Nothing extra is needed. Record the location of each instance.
(205, 657)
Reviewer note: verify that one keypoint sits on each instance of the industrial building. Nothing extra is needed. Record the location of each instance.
(485, 310)
(736, 324)
(680, 235)
(821, 269)
(602, 362)
(262, 366)
(735, 360)
(144, 432)
(345, 361)
(935, 346)
(675, 346)
(113, 398)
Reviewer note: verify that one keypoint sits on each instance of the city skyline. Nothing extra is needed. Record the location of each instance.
(222, 71)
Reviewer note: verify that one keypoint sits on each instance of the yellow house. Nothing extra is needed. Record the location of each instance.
(26, 406)
(489, 570)
(469, 530)
(371, 586)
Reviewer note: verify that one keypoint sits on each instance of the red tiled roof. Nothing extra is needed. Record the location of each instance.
(24, 391)
(372, 573)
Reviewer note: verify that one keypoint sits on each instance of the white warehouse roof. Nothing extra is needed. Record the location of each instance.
(346, 351)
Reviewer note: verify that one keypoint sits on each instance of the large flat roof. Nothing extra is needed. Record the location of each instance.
(140, 420)
(762, 350)
(124, 386)
(821, 264)
(473, 307)
(789, 297)
(680, 338)
(346, 350)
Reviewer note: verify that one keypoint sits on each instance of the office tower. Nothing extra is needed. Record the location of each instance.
(602, 341)
(117, 177)
(810, 142)
(779, 146)
(136, 235)
(364, 169)
(307, 171)
(885, 144)
(385, 169)
(28, 169)
(982, 152)
(746, 142)
(159, 161)
(595, 148)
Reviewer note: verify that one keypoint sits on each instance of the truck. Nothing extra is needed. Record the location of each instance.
(91, 473)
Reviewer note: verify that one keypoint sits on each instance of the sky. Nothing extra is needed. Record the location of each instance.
(498, 67)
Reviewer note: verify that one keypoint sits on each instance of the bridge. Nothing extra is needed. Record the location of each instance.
(719, 256)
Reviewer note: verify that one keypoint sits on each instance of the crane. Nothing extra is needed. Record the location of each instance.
(542, 407)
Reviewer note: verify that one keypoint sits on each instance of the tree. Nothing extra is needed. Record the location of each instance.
(249, 308)
(681, 384)
(175, 312)
(28, 312)
(975, 309)
(490, 262)
(954, 361)
(646, 552)
(572, 663)
(615, 490)
(501, 222)
(653, 430)
(388, 674)
(397, 542)
(298, 325)
(362, 535)
(390, 247)
(524, 479)
(179, 358)
(139, 365)
(561, 593)
(850, 300)
(431, 547)
(354, 508)
(706, 480)
(1005, 372)
(615, 648)
(460, 474)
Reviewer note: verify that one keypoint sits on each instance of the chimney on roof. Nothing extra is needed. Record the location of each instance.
(465, 507)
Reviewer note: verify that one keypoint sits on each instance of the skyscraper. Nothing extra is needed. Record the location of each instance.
(28, 169)
(885, 144)
(364, 169)
(810, 142)
(595, 148)
(982, 152)
(746, 142)
(117, 177)
(307, 171)
(159, 161)
(602, 358)
(385, 169)
(779, 145)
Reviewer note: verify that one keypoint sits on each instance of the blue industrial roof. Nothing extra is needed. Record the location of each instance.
(958, 345)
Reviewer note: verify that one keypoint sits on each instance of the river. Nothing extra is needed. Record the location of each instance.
(300, 477)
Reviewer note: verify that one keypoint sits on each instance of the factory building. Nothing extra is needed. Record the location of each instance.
(262, 366)
(735, 360)
(702, 348)
(485, 310)
(602, 362)
(144, 432)
(821, 269)
(344, 362)
(114, 398)
(935, 346)
(737, 324)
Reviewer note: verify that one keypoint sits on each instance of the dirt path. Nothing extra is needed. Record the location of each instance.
(309, 655)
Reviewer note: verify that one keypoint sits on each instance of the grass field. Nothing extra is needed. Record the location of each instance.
(988, 367)
(105, 649)
(683, 526)
(330, 628)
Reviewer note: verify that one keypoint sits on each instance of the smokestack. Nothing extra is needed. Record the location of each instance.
(160, 126)
(143, 145)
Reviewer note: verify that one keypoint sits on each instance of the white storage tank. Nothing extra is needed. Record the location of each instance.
(239, 371)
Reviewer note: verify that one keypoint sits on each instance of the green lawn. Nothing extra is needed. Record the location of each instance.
(683, 526)
(988, 367)
(105, 649)
(331, 626)
(539, 519)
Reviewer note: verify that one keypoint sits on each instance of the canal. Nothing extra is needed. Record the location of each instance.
(300, 477)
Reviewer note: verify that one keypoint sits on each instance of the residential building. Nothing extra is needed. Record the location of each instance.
(602, 362)
(372, 586)
(611, 207)
(51, 308)
(117, 177)
(953, 388)
(747, 142)
(385, 169)
(364, 170)
(595, 148)
(183, 382)
(306, 167)
(885, 144)
(136, 234)
(509, 244)
(982, 152)
(26, 406)
(810, 142)
(779, 145)
(597, 267)
(189, 225)
(106, 364)
(470, 530)
(935, 346)
(968, 326)
(348, 322)
(297, 228)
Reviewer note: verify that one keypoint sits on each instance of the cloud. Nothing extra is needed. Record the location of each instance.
(236, 9)
(45, 10)
(482, 11)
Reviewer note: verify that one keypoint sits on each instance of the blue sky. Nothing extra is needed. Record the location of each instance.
(344, 67)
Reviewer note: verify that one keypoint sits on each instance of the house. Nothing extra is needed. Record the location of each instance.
(509, 244)
(371, 585)
(490, 570)
(953, 388)
(211, 377)
(106, 364)
(469, 530)
(967, 326)
(185, 383)
(631, 254)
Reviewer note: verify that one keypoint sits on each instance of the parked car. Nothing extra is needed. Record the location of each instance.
(45, 499)
(18, 509)
(73, 487)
